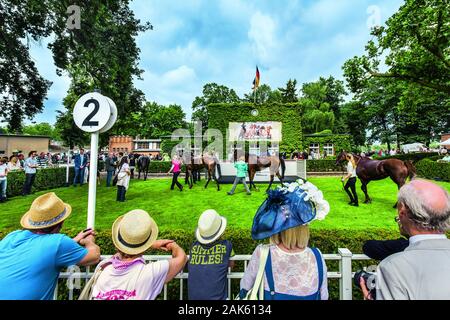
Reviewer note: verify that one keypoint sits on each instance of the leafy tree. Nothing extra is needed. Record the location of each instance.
(42, 129)
(22, 89)
(264, 94)
(318, 115)
(212, 93)
(101, 55)
(352, 114)
(289, 94)
(157, 120)
(414, 45)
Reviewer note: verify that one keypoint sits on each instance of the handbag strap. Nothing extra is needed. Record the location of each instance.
(260, 274)
(269, 275)
(319, 267)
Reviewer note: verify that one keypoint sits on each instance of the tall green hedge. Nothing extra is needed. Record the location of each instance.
(289, 114)
(45, 179)
(429, 169)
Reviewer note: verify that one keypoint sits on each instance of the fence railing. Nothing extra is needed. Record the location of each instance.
(344, 273)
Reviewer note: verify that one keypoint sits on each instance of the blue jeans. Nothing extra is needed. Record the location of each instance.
(109, 175)
(79, 174)
(3, 184)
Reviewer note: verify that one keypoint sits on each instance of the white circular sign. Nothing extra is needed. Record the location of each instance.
(92, 112)
(255, 112)
(113, 116)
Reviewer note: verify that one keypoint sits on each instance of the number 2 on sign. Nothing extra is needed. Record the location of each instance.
(87, 122)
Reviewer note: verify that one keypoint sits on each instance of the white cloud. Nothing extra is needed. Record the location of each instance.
(178, 76)
(262, 36)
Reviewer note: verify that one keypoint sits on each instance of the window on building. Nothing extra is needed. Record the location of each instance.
(314, 148)
(126, 149)
(114, 149)
(328, 149)
(143, 145)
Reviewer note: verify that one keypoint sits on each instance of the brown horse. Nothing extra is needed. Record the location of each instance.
(256, 163)
(198, 163)
(368, 170)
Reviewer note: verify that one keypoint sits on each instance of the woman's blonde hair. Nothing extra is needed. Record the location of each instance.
(293, 238)
(351, 159)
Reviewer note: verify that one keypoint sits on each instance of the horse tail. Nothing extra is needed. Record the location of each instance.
(411, 169)
(283, 166)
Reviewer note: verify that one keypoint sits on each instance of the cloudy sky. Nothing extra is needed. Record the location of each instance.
(199, 41)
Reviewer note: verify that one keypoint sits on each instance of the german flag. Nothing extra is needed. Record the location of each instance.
(256, 81)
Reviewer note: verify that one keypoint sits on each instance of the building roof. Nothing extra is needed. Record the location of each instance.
(24, 136)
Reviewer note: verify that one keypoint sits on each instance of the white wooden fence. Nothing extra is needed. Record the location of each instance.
(344, 273)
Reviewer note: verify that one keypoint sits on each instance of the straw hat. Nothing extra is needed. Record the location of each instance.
(46, 211)
(210, 227)
(134, 232)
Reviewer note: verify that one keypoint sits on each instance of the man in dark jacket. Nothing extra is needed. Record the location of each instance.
(80, 161)
(110, 166)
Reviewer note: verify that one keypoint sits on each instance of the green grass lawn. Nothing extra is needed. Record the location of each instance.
(180, 210)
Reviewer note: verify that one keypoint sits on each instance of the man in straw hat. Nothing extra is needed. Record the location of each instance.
(126, 276)
(31, 259)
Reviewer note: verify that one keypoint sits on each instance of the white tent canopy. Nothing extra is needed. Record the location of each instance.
(445, 143)
(413, 147)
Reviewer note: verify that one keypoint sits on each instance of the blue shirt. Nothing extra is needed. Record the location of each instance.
(208, 269)
(30, 263)
(30, 162)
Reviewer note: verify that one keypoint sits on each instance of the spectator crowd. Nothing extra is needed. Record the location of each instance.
(286, 268)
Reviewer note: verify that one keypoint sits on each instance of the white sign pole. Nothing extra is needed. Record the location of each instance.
(67, 168)
(94, 113)
(92, 180)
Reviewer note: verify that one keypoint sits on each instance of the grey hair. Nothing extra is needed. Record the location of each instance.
(424, 215)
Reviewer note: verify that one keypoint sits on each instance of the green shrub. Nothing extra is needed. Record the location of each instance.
(414, 157)
(324, 165)
(429, 169)
(162, 166)
(49, 178)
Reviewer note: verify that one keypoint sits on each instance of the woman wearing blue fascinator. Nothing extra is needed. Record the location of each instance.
(287, 269)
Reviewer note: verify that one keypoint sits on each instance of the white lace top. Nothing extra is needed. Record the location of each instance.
(294, 273)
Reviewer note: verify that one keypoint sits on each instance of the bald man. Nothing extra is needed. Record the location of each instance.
(422, 271)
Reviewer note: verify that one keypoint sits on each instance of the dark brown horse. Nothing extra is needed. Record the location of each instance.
(257, 163)
(368, 170)
(198, 163)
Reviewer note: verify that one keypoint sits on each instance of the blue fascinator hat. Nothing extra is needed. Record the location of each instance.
(289, 206)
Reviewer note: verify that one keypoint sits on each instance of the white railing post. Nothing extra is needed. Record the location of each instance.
(55, 293)
(345, 269)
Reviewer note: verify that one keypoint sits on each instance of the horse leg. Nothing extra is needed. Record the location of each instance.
(270, 183)
(280, 177)
(213, 169)
(364, 189)
(252, 180)
(190, 180)
(209, 179)
(400, 182)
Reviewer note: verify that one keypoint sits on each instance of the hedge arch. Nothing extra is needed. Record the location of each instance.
(289, 114)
